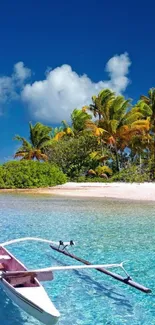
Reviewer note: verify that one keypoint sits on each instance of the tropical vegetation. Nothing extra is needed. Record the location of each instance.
(108, 140)
(34, 148)
(30, 174)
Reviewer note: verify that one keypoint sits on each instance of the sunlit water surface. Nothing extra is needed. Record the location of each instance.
(106, 231)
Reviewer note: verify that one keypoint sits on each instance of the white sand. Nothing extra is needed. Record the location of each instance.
(134, 191)
(127, 191)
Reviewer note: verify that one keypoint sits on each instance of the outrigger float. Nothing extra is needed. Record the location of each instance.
(23, 286)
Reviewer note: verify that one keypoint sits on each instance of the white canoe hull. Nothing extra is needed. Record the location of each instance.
(34, 301)
(31, 297)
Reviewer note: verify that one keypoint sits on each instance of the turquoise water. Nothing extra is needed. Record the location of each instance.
(106, 231)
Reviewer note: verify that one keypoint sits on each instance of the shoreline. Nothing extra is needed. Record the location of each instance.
(126, 191)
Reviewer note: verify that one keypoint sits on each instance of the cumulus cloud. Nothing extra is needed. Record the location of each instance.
(21, 72)
(10, 86)
(62, 90)
(53, 98)
(6, 89)
(118, 68)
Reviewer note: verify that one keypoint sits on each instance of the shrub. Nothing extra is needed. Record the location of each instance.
(81, 179)
(91, 172)
(72, 155)
(103, 170)
(131, 175)
(85, 179)
(2, 184)
(29, 174)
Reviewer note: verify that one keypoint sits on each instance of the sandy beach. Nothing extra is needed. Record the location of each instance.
(127, 191)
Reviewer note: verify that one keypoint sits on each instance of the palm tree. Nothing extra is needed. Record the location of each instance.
(100, 102)
(34, 148)
(150, 104)
(60, 132)
(140, 146)
(147, 105)
(57, 133)
(118, 124)
(79, 118)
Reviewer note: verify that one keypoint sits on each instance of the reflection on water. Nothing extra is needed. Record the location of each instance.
(105, 231)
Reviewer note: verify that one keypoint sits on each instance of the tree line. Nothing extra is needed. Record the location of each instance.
(108, 139)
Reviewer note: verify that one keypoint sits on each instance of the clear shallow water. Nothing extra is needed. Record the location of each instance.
(106, 231)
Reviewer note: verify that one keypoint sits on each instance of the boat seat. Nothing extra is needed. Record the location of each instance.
(5, 257)
(19, 280)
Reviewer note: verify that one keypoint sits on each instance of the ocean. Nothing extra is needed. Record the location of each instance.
(104, 231)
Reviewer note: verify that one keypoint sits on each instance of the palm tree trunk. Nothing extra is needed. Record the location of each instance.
(140, 161)
(117, 158)
(101, 143)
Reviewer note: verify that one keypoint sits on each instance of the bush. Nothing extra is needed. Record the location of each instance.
(2, 184)
(72, 155)
(131, 175)
(103, 170)
(85, 179)
(30, 174)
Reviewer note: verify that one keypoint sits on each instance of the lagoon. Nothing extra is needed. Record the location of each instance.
(105, 231)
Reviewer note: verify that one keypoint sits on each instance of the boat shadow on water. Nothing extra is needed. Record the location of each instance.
(10, 314)
(118, 298)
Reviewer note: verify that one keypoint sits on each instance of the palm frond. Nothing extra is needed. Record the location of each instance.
(59, 135)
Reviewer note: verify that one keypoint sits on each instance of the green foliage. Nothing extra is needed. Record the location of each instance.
(2, 184)
(101, 102)
(91, 172)
(79, 118)
(131, 175)
(100, 156)
(121, 135)
(72, 155)
(84, 179)
(40, 138)
(81, 179)
(30, 174)
(103, 170)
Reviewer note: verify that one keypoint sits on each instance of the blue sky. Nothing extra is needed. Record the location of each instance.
(55, 55)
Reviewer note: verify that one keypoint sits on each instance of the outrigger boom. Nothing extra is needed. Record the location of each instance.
(48, 270)
(60, 247)
(127, 280)
(14, 241)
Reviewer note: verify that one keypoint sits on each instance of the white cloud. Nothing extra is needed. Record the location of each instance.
(21, 72)
(6, 88)
(10, 86)
(53, 98)
(62, 90)
(118, 68)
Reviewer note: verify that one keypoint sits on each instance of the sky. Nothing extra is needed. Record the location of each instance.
(55, 55)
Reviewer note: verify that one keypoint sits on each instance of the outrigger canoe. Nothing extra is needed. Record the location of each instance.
(23, 286)
(26, 291)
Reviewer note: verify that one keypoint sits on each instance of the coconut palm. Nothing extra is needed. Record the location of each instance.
(100, 102)
(57, 133)
(147, 105)
(140, 146)
(60, 132)
(79, 118)
(67, 129)
(34, 148)
(118, 124)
